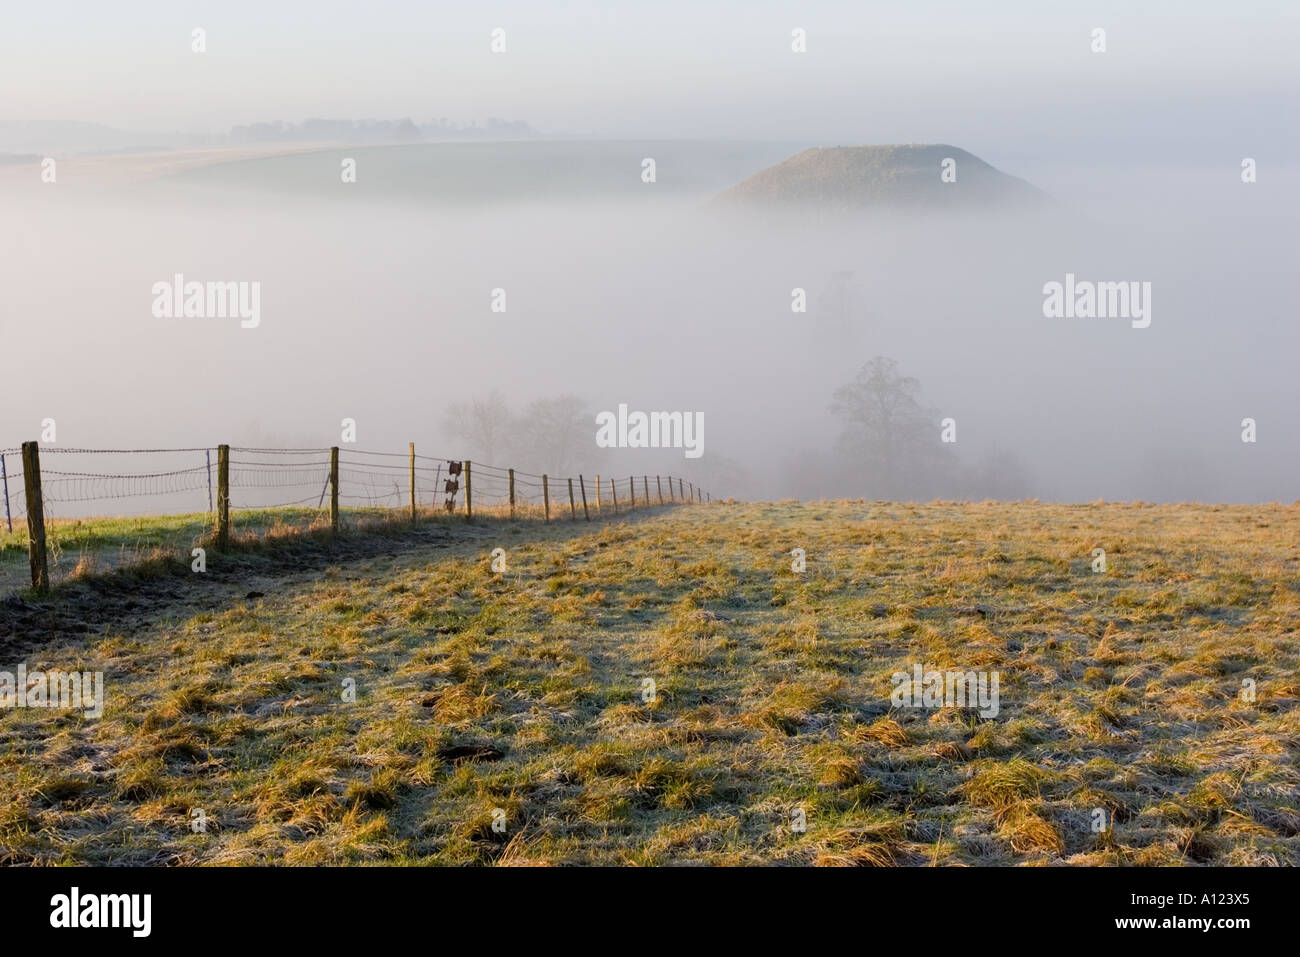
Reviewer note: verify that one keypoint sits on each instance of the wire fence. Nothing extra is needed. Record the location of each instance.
(166, 499)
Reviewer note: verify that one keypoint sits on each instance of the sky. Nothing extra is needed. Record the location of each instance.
(1178, 80)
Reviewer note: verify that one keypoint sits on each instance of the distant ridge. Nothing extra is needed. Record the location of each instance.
(856, 177)
(55, 137)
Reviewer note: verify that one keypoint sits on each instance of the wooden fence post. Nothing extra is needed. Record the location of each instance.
(512, 492)
(583, 485)
(334, 489)
(413, 481)
(223, 497)
(660, 486)
(600, 510)
(573, 509)
(469, 494)
(680, 492)
(645, 487)
(546, 497)
(613, 493)
(5, 476)
(631, 490)
(35, 517)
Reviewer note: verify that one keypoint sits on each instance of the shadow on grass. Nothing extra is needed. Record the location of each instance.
(150, 589)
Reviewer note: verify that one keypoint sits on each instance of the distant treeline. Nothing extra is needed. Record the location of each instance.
(377, 131)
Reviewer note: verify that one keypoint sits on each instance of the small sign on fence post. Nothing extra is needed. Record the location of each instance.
(452, 485)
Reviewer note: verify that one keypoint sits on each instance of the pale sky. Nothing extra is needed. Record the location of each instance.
(1004, 78)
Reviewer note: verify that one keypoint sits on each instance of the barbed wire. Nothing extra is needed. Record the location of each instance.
(250, 508)
(373, 477)
(63, 450)
(241, 448)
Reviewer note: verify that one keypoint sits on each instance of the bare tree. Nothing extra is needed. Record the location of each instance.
(483, 424)
(551, 433)
(891, 437)
(999, 474)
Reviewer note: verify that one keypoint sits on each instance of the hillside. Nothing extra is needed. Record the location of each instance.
(852, 177)
(768, 734)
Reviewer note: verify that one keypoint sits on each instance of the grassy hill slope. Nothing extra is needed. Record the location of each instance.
(526, 692)
(850, 177)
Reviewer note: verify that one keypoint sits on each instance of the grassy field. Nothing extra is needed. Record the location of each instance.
(84, 547)
(520, 698)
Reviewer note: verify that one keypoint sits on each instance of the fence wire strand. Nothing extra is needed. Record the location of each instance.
(184, 483)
